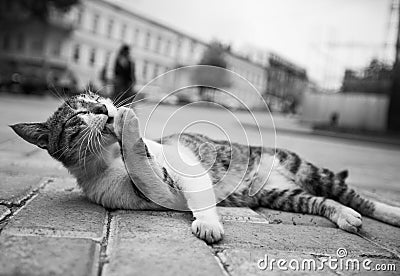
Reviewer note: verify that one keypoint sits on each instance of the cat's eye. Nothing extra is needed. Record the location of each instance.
(73, 136)
(76, 114)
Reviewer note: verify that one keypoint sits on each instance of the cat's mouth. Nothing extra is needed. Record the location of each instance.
(110, 120)
(109, 126)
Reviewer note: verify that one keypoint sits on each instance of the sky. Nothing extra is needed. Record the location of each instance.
(323, 36)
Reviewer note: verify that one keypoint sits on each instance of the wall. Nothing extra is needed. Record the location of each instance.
(355, 110)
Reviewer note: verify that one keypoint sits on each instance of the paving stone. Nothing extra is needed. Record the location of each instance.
(19, 156)
(15, 188)
(277, 217)
(4, 211)
(67, 184)
(39, 163)
(157, 243)
(382, 233)
(240, 215)
(17, 145)
(52, 213)
(33, 255)
(306, 239)
(252, 261)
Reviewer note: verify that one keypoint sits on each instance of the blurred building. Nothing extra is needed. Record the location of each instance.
(77, 47)
(286, 81)
(376, 78)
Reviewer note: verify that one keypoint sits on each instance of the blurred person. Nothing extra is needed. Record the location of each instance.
(124, 76)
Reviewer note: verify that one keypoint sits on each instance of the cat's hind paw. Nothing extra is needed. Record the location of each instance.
(349, 220)
(209, 231)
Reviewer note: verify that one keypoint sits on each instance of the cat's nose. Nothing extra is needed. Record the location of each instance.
(99, 109)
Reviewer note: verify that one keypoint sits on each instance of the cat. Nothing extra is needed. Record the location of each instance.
(102, 148)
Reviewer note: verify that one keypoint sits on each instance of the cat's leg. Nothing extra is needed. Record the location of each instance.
(196, 185)
(146, 174)
(371, 208)
(201, 201)
(282, 193)
(323, 182)
(299, 201)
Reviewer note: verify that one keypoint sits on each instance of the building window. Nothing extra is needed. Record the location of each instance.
(57, 48)
(123, 32)
(158, 44)
(178, 47)
(20, 42)
(110, 28)
(37, 46)
(92, 57)
(107, 57)
(6, 42)
(147, 41)
(144, 69)
(192, 47)
(76, 53)
(155, 70)
(136, 36)
(168, 48)
(79, 16)
(95, 23)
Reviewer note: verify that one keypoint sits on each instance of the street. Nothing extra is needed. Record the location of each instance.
(39, 202)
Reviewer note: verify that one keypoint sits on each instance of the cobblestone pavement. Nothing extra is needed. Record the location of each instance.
(47, 226)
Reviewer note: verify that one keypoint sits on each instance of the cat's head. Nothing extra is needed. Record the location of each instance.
(80, 129)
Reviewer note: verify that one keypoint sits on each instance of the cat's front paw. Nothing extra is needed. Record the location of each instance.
(209, 231)
(127, 119)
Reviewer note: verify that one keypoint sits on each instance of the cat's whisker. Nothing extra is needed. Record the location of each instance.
(101, 88)
(102, 149)
(59, 96)
(84, 136)
(97, 145)
(66, 148)
(123, 93)
(82, 157)
(96, 148)
(125, 100)
(56, 93)
(88, 143)
(123, 103)
(142, 99)
(101, 145)
(118, 97)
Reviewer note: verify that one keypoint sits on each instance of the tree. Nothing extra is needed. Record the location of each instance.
(36, 9)
(212, 77)
(214, 55)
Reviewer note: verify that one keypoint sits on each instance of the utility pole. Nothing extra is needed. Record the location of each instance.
(394, 104)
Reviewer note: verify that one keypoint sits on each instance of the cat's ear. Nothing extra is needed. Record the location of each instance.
(343, 174)
(35, 133)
